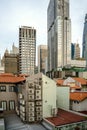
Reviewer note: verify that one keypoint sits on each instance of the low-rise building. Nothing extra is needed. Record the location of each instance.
(66, 120)
(9, 91)
(78, 101)
(75, 83)
(38, 98)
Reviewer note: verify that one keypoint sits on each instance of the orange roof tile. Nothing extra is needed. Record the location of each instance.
(78, 96)
(75, 87)
(10, 78)
(60, 82)
(81, 80)
(65, 117)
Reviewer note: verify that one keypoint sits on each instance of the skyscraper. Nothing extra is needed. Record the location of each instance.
(75, 51)
(27, 50)
(42, 55)
(59, 34)
(84, 38)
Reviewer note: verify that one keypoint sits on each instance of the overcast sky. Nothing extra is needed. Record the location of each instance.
(15, 13)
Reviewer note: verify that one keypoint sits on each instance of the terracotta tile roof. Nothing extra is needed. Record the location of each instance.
(65, 117)
(78, 96)
(81, 80)
(60, 82)
(75, 87)
(10, 78)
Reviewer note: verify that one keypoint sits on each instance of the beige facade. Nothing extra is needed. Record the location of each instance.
(38, 98)
(11, 63)
(8, 97)
(27, 50)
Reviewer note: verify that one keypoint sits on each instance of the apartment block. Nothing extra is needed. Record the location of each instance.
(35, 102)
(27, 50)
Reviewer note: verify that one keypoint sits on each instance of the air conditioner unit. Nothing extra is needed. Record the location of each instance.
(38, 103)
(30, 97)
(20, 96)
(23, 102)
(31, 104)
(38, 118)
(38, 97)
(31, 114)
(31, 109)
(31, 119)
(30, 91)
(38, 92)
(38, 108)
(23, 109)
(38, 87)
(38, 113)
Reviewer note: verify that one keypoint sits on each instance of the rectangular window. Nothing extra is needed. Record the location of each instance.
(4, 105)
(11, 105)
(2, 88)
(11, 88)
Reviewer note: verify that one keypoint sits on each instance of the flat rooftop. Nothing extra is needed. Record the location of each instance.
(65, 117)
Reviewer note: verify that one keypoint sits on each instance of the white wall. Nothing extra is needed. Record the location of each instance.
(81, 106)
(49, 96)
(63, 95)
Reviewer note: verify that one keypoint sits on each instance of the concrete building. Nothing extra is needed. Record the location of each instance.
(42, 55)
(35, 102)
(11, 63)
(27, 50)
(59, 34)
(75, 51)
(84, 38)
(75, 83)
(9, 91)
(78, 101)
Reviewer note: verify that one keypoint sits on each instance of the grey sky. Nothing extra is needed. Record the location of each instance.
(14, 13)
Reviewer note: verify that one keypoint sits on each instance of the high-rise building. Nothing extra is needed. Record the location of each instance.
(11, 63)
(27, 50)
(84, 38)
(59, 34)
(42, 55)
(75, 51)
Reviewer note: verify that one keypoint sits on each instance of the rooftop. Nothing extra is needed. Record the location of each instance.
(10, 78)
(65, 117)
(78, 79)
(78, 96)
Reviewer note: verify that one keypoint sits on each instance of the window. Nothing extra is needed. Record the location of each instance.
(4, 105)
(11, 88)
(11, 105)
(3, 88)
